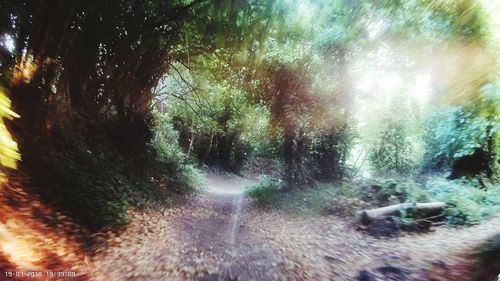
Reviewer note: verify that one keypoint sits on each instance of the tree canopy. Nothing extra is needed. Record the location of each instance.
(325, 89)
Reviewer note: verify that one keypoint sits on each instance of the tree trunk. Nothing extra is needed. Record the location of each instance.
(208, 150)
(490, 153)
(191, 144)
(290, 106)
(296, 174)
(419, 209)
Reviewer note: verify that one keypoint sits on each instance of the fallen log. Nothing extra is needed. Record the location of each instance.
(421, 210)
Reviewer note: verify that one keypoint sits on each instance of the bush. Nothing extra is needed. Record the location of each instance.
(166, 140)
(95, 181)
(266, 192)
(458, 133)
(179, 170)
(392, 152)
(261, 166)
(468, 202)
(321, 199)
(379, 193)
(328, 153)
(90, 183)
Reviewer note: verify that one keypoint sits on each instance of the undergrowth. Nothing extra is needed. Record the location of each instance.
(96, 181)
(468, 202)
(268, 193)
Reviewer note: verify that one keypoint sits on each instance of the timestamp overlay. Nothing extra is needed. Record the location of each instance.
(38, 274)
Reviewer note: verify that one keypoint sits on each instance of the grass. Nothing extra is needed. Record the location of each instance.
(327, 198)
(468, 202)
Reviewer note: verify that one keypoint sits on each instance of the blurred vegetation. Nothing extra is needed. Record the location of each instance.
(9, 153)
(180, 171)
(392, 152)
(341, 199)
(81, 76)
(465, 139)
(97, 182)
(123, 100)
(404, 132)
(488, 255)
(467, 203)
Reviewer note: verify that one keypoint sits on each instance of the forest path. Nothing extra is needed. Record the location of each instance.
(201, 240)
(217, 235)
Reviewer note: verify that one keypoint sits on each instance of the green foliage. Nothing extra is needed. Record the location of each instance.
(384, 192)
(328, 153)
(337, 199)
(96, 181)
(266, 192)
(468, 202)
(9, 153)
(88, 183)
(166, 140)
(455, 133)
(215, 113)
(180, 171)
(392, 152)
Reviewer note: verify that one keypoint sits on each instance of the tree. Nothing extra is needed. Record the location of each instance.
(392, 152)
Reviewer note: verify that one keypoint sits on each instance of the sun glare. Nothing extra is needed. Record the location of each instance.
(384, 81)
(7, 42)
(305, 11)
(375, 28)
(421, 90)
(25, 69)
(390, 81)
(19, 251)
(367, 81)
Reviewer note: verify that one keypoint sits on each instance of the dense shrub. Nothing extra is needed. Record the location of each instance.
(96, 180)
(337, 199)
(90, 183)
(179, 169)
(385, 192)
(459, 139)
(166, 140)
(468, 202)
(263, 166)
(328, 153)
(266, 192)
(391, 154)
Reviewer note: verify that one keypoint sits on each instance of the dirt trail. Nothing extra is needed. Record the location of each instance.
(218, 235)
(203, 240)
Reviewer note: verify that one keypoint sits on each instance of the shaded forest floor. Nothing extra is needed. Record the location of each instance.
(219, 235)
